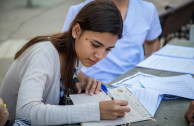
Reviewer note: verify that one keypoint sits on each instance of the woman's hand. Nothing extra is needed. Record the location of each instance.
(3, 113)
(189, 116)
(90, 85)
(113, 109)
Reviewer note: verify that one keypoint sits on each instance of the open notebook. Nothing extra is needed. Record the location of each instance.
(137, 113)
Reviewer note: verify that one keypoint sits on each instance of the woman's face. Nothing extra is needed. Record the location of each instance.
(92, 47)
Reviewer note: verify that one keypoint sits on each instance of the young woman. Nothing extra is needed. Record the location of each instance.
(43, 71)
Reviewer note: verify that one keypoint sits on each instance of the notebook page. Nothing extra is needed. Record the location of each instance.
(138, 112)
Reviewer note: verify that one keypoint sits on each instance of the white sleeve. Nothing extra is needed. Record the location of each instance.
(155, 27)
(72, 13)
(69, 18)
(30, 102)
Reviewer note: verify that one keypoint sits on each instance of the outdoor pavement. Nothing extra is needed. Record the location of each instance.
(19, 24)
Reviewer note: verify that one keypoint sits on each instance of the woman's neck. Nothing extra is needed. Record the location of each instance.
(122, 5)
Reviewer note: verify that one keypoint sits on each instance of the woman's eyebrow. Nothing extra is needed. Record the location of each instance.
(101, 43)
(98, 42)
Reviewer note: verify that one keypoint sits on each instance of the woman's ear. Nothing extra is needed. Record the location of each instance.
(76, 31)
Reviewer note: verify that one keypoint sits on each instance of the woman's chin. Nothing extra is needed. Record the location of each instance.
(86, 64)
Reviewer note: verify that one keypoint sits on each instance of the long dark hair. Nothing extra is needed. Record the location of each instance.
(97, 16)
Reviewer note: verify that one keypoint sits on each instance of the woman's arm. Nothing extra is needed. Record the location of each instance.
(38, 94)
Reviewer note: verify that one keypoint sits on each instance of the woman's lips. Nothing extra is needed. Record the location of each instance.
(92, 62)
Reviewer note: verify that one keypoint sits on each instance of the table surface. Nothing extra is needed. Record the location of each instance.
(170, 112)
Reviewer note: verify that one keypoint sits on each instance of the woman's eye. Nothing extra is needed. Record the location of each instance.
(108, 49)
(94, 45)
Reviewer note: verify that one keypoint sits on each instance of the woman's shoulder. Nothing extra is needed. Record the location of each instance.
(43, 55)
(145, 10)
(146, 5)
(45, 47)
(44, 50)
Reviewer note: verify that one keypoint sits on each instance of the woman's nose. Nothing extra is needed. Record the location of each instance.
(100, 55)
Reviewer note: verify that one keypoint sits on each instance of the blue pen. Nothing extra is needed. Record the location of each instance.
(103, 87)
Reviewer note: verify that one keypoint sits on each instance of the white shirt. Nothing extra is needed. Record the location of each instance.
(141, 23)
(32, 83)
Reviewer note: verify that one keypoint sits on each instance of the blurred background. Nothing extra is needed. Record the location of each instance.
(21, 20)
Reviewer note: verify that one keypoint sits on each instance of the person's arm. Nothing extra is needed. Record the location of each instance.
(151, 46)
(151, 43)
(189, 116)
(35, 83)
(3, 113)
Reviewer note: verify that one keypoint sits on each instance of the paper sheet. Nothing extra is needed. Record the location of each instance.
(168, 64)
(137, 113)
(132, 81)
(150, 99)
(85, 98)
(182, 85)
(176, 51)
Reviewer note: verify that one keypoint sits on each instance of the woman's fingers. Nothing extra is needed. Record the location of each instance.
(93, 86)
(119, 114)
(124, 109)
(122, 106)
(89, 83)
(122, 114)
(98, 87)
(113, 109)
(79, 86)
(122, 102)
